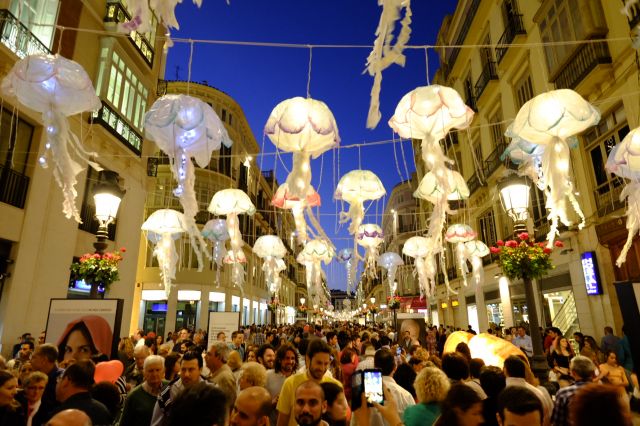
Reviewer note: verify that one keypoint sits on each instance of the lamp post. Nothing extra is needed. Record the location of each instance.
(107, 195)
(514, 195)
(373, 310)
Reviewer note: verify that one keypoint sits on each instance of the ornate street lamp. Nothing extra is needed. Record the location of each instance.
(514, 194)
(107, 195)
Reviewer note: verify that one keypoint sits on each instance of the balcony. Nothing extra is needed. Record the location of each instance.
(117, 13)
(118, 127)
(607, 196)
(492, 162)
(488, 73)
(473, 183)
(514, 27)
(583, 60)
(470, 14)
(17, 37)
(13, 187)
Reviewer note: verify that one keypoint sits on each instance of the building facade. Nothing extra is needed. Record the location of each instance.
(511, 67)
(37, 243)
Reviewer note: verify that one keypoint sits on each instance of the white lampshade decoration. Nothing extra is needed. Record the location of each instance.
(184, 127)
(144, 11)
(215, 230)
(314, 253)
(550, 119)
(345, 256)
(57, 88)
(419, 248)
(162, 227)
(271, 249)
(370, 237)
(390, 261)
(306, 128)
(459, 234)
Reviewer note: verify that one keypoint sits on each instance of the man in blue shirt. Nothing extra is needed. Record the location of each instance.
(523, 341)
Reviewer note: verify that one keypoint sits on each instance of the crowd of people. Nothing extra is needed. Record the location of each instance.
(309, 375)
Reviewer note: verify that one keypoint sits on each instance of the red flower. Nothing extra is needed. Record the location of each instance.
(558, 243)
(500, 243)
(523, 236)
(495, 250)
(547, 250)
(511, 244)
(123, 250)
(541, 244)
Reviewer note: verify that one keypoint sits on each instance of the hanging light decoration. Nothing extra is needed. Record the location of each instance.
(57, 88)
(624, 161)
(550, 119)
(459, 234)
(476, 250)
(143, 11)
(390, 261)
(215, 230)
(306, 128)
(162, 227)
(370, 237)
(270, 249)
(345, 256)
(314, 253)
(231, 203)
(183, 127)
(419, 248)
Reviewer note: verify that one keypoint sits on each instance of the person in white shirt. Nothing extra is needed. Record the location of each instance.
(384, 359)
(515, 370)
(523, 341)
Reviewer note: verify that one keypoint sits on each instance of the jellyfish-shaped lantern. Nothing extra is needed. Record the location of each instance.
(345, 256)
(549, 119)
(419, 248)
(271, 249)
(231, 203)
(476, 250)
(143, 12)
(314, 253)
(216, 231)
(306, 128)
(356, 187)
(183, 127)
(57, 88)
(390, 261)
(459, 234)
(162, 228)
(370, 237)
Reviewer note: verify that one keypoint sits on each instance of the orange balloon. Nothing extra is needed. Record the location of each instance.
(491, 349)
(108, 371)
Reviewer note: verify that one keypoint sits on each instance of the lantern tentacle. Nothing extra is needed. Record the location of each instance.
(632, 193)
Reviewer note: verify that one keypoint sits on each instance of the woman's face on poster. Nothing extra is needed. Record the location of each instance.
(77, 347)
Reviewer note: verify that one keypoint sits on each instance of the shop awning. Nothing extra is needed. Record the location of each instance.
(413, 302)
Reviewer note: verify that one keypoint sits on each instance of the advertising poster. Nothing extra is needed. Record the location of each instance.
(226, 322)
(84, 328)
(414, 324)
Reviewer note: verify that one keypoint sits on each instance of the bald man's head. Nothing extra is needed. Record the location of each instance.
(252, 407)
(70, 417)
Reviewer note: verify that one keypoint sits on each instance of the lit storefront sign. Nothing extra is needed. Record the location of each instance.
(591, 275)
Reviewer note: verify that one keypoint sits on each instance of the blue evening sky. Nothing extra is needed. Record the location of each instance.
(258, 78)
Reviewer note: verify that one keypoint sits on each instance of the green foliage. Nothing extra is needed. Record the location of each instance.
(95, 268)
(524, 258)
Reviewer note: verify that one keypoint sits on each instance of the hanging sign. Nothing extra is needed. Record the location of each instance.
(591, 275)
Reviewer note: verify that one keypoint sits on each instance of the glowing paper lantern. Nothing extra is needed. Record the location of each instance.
(356, 187)
(491, 349)
(184, 127)
(383, 53)
(419, 248)
(58, 88)
(271, 249)
(550, 119)
(306, 128)
(314, 253)
(390, 261)
(216, 231)
(459, 234)
(476, 250)
(370, 237)
(345, 256)
(143, 10)
(231, 203)
(624, 161)
(162, 228)
(431, 188)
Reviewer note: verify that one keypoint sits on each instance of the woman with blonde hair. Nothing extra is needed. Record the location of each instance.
(431, 387)
(253, 374)
(235, 364)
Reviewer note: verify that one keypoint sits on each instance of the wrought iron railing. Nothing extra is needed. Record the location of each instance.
(488, 73)
(514, 26)
(462, 35)
(116, 125)
(161, 88)
(607, 196)
(17, 37)
(117, 13)
(492, 162)
(13, 187)
(473, 183)
(585, 58)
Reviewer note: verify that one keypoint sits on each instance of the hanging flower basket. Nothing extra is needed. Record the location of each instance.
(393, 302)
(524, 258)
(96, 269)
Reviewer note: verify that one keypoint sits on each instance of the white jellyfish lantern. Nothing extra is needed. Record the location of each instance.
(216, 231)
(624, 161)
(390, 261)
(143, 12)
(419, 248)
(270, 249)
(184, 127)
(57, 88)
(459, 234)
(476, 250)
(549, 119)
(162, 227)
(345, 256)
(356, 187)
(306, 128)
(370, 237)
(231, 203)
(315, 252)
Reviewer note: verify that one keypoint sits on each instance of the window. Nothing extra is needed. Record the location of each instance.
(487, 231)
(39, 16)
(497, 133)
(15, 141)
(524, 90)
